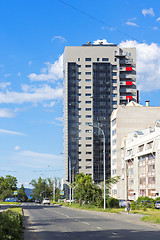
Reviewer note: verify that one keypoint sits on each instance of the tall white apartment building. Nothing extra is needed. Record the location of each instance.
(97, 78)
(141, 156)
(124, 120)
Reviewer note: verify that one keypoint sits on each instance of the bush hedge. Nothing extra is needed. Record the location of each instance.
(11, 225)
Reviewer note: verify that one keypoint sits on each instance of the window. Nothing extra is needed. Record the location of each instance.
(88, 138)
(131, 182)
(151, 180)
(79, 160)
(114, 171)
(88, 59)
(140, 148)
(114, 80)
(79, 145)
(88, 160)
(88, 116)
(79, 59)
(79, 123)
(88, 131)
(88, 145)
(114, 88)
(142, 180)
(114, 67)
(105, 59)
(79, 73)
(79, 87)
(115, 59)
(88, 73)
(88, 80)
(79, 109)
(79, 152)
(97, 59)
(88, 94)
(88, 87)
(88, 152)
(78, 80)
(79, 66)
(114, 122)
(87, 66)
(78, 116)
(129, 152)
(88, 123)
(87, 101)
(79, 138)
(113, 132)
(114, 73)
(78, 130)
(149, 145)
(88, 167)
(80, 167)
(114, 102)
(79, 94)
(79, 101)
(88, 109)
(114, 95)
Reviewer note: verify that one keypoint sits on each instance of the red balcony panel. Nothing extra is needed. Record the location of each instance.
(128, 69)
(129, 97)
(129, 83)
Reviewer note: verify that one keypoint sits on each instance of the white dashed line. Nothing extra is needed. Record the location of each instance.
(99, 228)
(85, 223)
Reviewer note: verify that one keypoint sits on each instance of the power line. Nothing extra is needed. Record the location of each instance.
(96, 19)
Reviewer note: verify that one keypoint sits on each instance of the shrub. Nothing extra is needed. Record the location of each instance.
(11, 225)
(112, 202)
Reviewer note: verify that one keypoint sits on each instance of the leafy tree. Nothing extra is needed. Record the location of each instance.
(40, 187)
(8, 184)
(22, 194)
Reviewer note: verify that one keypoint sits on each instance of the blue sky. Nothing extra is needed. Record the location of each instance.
(33, 35)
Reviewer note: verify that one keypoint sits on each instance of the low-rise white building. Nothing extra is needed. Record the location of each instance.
(124, 120)
(140, 154)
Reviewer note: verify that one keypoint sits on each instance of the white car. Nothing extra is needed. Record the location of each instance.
(46, 201)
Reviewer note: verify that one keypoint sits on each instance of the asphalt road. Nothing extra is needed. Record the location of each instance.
(55, 222)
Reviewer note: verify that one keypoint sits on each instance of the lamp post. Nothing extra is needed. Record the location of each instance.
(104, 163)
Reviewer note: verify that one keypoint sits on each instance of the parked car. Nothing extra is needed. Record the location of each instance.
(157, 205)
(146, 202)
(46, 201)
(122, 203)
(37, 201)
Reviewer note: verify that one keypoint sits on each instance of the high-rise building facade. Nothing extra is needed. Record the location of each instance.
(97, 78)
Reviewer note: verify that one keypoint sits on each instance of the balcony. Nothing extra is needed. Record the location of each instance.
(120, 54)
(126, 97)
(125, 69)
(126, 76)
(126, 61)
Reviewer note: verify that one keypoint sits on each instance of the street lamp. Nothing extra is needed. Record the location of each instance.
(104, 162)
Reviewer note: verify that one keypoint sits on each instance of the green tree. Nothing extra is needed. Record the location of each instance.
(8, 184)
(40, 187)
(22, 194)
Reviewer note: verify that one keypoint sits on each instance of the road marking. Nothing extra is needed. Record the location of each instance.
(67, 216)
(114, 233)
(99, 228)
(86, 223)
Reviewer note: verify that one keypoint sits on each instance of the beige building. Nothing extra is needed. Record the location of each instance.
(97, 78)
(126, 119)
(141, 157)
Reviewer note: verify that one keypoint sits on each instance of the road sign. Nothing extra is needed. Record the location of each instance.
(61, 192)
(15, 193)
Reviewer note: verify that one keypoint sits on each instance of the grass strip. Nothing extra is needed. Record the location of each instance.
(11, 224)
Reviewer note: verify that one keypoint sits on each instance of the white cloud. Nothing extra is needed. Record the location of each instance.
(103, 41)
(49, 105)
(18, 74)
(10, 132)
(17, 148)
(4, 85)
(148, 12)
(132, 24)
(155, 28)
(158, 19)
(7, 75)
(60, 119)
(37, 160)
(148, 64)
(31, 94)
(58, 37)
(6, 113)
(52, 73)
(30, 63)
